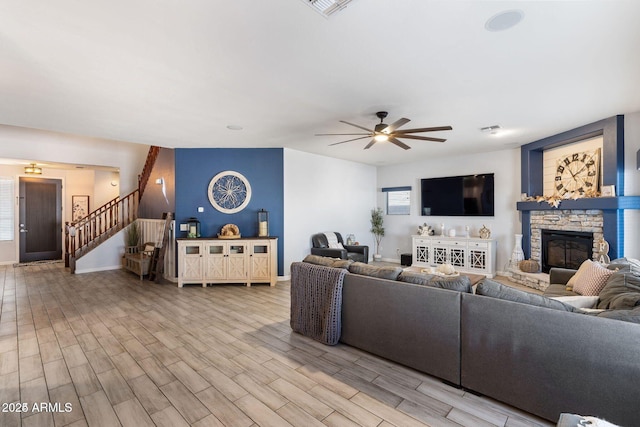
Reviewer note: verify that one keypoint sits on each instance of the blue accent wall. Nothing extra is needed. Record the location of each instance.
(263, 168)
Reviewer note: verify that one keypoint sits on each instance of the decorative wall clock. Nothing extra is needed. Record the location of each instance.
(578, 173)
(229, 192)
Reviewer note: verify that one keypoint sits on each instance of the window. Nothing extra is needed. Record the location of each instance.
(6, 208)
(398, 200)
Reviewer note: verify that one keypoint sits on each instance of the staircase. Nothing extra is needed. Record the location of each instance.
(87, 233)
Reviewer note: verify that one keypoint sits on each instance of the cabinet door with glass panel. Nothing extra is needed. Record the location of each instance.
(190, 265)
(260, 261)
(237, 260)
(216, 260)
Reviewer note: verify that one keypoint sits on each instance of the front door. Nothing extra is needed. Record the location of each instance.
(40, 219)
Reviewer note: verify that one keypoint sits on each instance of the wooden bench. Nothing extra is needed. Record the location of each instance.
(137, 259)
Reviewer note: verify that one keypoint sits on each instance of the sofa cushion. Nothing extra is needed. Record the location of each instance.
(622, 291)
(556, 290)
(328, 261)
(494, 289)
(632, 315)
(458, 283)
(319, 260)
(361, 268)
(592, 279)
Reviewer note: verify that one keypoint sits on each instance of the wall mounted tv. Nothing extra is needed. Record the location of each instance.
(469, 195)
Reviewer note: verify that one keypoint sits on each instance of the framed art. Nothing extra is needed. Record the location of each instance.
(608, 191)
(80, 207)
(229, 192)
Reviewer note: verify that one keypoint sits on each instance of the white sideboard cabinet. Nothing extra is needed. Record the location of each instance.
(466, 254)
(212, 260)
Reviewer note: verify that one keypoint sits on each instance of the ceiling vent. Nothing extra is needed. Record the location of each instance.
(327, 7)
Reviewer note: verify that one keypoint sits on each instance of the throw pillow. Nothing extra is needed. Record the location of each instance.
(342, 263)
(622, 291)
(592, 279)
(572, 282)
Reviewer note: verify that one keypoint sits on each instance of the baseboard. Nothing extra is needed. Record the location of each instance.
(284, 278)
(94, 270)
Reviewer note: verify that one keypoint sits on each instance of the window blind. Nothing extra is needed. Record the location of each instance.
(6, 208)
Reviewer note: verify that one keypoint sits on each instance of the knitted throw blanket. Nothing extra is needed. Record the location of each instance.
(316, 301)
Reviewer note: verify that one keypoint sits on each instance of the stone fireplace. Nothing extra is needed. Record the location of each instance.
(565, 249)
(581, 222)
(602, 216)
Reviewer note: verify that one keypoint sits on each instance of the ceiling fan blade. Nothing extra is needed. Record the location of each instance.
(370, 144)
(325, 134)
(395, 125)
(349, 140)
(399, 144)
(421, 138)
(358, 126)
(432, 129)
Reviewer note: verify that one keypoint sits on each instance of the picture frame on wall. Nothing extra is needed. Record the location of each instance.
(608, 191)
(80, 207)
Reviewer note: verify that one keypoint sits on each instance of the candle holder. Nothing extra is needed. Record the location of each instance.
(263, 223)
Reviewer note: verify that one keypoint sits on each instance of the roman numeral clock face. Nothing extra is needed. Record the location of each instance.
(578, 173)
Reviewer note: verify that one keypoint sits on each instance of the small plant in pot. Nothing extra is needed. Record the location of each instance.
(377, 229)
(132, 237)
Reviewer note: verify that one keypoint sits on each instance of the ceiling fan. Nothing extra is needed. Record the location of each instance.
(383, 132)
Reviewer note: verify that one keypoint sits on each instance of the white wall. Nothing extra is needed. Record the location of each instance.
(631, 184)
(325, 194)
(41, 146)
(506, 222)
(107, 256)
(38, 145)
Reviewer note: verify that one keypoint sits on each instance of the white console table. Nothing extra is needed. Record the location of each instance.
(466, 254)
(244, 260)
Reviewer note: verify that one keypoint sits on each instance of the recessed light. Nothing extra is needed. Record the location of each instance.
(234, 127)
(504, 20)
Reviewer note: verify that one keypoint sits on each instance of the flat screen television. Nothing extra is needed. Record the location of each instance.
(469, 195)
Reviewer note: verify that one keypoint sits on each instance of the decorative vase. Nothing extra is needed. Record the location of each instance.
(484, 232)
(517, 254)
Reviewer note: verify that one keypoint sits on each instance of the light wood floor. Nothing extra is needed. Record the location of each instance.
(119, 351)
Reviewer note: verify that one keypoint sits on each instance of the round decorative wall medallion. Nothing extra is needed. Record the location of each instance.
(229, 192)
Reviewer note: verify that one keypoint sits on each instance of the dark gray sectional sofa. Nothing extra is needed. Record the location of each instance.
(543, 360)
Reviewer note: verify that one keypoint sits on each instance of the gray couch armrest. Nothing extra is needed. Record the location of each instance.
(560, 276)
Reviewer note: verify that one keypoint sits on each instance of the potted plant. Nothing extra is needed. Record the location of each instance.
(377, 229)
(132, 238)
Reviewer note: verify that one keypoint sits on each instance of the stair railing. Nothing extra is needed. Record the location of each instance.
(143, 179)
(86, 233)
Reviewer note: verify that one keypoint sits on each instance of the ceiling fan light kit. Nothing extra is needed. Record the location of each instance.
(383, 132)
(327, 7)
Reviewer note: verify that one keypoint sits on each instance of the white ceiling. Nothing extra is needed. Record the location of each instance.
(176, 73)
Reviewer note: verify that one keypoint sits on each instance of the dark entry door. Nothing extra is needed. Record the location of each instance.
(40, 219)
